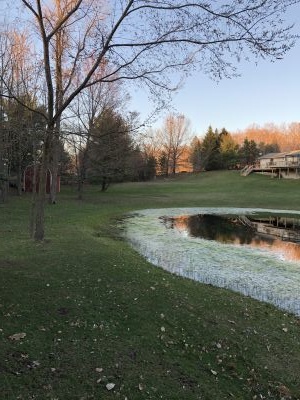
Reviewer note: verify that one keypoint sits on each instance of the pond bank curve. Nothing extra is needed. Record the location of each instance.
(253, 272)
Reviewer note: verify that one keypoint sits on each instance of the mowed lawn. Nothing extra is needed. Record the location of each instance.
(83, 316)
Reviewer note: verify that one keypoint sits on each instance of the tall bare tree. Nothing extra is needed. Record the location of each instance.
(172, 138)
(147, 41)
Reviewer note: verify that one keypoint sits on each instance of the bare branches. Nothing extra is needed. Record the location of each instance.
(64, 19)
(148, 40)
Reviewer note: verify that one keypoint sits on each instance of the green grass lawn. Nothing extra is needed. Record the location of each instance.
(95, 312)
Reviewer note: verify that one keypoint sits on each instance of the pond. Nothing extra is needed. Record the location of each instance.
(279, 234)
(252, 251)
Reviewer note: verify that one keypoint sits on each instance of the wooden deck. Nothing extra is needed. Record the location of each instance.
(275, 170)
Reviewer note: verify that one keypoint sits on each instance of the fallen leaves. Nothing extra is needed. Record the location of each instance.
(17, 336)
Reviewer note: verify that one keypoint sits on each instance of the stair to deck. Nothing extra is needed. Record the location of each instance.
(247, 170)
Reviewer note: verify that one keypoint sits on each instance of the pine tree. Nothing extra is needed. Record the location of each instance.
(211, 157)
(196, 154)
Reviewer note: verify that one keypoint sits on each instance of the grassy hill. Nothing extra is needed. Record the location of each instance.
(96, 313)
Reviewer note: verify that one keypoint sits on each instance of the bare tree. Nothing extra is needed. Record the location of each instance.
(172, 139)
(147, 41)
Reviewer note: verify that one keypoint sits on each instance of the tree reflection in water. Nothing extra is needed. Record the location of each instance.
(280, 235)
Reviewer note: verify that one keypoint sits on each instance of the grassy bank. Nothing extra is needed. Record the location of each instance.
(94, 312)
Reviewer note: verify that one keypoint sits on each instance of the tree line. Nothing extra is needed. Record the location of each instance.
(173, 150)
(221, 150)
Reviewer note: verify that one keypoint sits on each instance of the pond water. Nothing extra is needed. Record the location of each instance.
(279, 234)
(251, 251)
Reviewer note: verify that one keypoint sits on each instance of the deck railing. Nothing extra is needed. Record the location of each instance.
(279, 164)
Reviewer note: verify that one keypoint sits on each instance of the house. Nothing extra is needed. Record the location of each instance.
(271, 160)
(280, 165)
(293, 158)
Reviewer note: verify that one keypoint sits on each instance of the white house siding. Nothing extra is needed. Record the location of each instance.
(284, 165)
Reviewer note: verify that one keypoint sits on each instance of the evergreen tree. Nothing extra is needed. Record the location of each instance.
(249, 152)
(229, 151)
(196, 154)
(210, 155)
(110, 149)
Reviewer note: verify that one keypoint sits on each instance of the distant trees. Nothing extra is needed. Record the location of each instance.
(217, 150)
(172, 139)
(284, 137)
(265, 148)
(168, 144)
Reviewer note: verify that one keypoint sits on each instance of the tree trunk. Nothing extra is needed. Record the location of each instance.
(173, 166)
(39, 214)
(54, 171)
(19, 180)
(38, 205)
(33, 201)
(3, 190)
(81, 171)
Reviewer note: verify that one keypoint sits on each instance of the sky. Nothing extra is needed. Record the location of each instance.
(264, 93)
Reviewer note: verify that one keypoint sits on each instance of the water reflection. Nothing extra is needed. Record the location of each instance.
(278, 234)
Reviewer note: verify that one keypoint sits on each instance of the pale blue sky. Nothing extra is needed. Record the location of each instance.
(264, 93)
